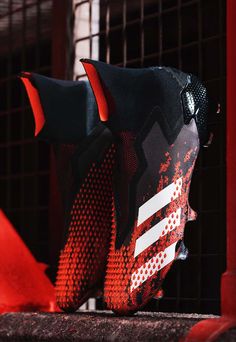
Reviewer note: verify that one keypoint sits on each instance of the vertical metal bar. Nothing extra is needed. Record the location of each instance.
(23, 33)
(38, 40)
(142, 31)
(59, 37)
(90, 29)
(9, 72)
(200, 38)
(124, 12)
(179, 35)
(160, 32)
(222, 48)
(70, 56)
(107, 32)
(228, 289)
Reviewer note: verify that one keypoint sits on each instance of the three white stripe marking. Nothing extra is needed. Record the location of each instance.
(161, 259)
(160, 200)
(160, 229)
(153, 265)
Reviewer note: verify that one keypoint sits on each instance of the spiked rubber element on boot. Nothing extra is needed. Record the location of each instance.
(159, 119)
(65, 114)
(159, 294)
(182, 252)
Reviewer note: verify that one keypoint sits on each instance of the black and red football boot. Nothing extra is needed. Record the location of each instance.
(65, 114)
(158, 117)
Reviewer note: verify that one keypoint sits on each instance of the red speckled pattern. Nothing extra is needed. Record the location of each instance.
(176, 163)
(83, 258)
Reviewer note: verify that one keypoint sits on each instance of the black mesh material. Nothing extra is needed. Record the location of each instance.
(195, 104)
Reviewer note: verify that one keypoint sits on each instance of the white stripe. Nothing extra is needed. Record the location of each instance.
(160, 229)
(160, 200)
(155, 264)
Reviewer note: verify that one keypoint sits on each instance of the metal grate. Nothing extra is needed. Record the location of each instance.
(25, 34)
(190, 35)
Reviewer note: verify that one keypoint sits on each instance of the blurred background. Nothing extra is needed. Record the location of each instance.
(49, 37)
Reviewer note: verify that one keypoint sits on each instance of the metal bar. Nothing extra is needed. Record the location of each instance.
(107, 32)
(90, 29)
(228, 292)
(124, 34)
(180, 45)
(9, 70)
(160, 52)
(59, 37)
(141, 32)
(38, 34)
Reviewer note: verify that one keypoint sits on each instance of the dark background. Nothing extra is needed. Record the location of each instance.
(187, 34)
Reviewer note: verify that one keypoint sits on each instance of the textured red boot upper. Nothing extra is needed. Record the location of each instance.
(158, 117)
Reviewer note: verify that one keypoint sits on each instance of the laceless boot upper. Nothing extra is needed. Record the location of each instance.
(64, 111)
(158, 118)
(65, 114)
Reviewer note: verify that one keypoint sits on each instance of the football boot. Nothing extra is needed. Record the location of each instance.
(65, 114)
(158, 117)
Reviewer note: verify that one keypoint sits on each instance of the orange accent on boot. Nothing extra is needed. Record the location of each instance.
(98, 90)
(35, 104)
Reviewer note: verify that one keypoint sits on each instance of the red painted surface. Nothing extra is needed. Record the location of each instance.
(209, 330)
(23, 284)
(229, 278)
